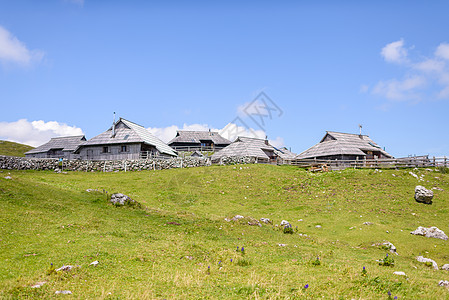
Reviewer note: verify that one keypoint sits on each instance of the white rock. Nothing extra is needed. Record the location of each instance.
(431, 232)
(8, 177)
(414, 175)
(425, 260)
(390, 247)
(63, 292)
(94, 263)
(265, 220)
(282, 245)
(423, 195)
(445, 267)
(284, 222)
(38, 284)
(237, 217)
(400, 273)
(318, 226)
(65, 268)
(444, 283)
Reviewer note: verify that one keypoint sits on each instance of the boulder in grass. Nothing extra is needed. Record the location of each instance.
(445, 267)
(423, 195)
(120, 199)
(431, 232)
(444, 283)
(427, 261)
(284, 222)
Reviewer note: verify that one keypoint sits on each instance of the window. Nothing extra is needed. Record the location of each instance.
(105, 149)
(124, 148)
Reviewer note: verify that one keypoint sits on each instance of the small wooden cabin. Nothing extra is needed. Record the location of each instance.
(59, 147)
(198, 140)
(344, 146)
(260, 149)
(124, 140)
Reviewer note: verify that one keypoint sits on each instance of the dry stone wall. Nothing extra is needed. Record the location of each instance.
(22, 163)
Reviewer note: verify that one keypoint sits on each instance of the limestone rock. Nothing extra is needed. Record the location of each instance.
(444, 283)
(284, 222)
(400, 273)
(390, 247)
(423, 195)
(65, 268)
(237, 217)
(427, 260)
(431, 232)
(94, 263)
(63, 292)
(266, 220)
(120, 199)
(445, 267)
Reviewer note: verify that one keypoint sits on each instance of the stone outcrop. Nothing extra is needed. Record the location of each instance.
(120, 199)
(427, 261)
(423, 195)
(431, 232)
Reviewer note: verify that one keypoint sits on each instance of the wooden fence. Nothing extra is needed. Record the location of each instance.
(405, 162)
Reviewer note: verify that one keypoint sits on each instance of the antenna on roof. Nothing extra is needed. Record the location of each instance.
(360, 127)
(113, 126)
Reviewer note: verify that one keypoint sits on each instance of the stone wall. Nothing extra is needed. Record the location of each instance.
(27, 163)
(23, 163)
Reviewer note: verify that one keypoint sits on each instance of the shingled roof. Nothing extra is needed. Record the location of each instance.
(338, 143)
(127, 134)
(186, 136)
(66, 143)
(244, 146)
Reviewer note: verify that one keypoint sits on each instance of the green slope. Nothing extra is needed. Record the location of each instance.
(180, 247)
(13, 149)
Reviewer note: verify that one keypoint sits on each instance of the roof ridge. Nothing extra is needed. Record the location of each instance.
(346, 133)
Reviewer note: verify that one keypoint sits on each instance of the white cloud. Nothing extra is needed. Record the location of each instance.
(395, 52)
(428, 76)
(14, 51)
(364, 88)
(443, 51)
(35, 133)
(231, 131)
(278, 142)
(400, 89)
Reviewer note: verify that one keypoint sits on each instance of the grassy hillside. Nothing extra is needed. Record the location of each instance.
(179, 245)
(13, 149)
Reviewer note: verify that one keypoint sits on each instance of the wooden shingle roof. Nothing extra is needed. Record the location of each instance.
(186, 136)
(338, 143)
(127, 132)
(66, 143)
(244, 146)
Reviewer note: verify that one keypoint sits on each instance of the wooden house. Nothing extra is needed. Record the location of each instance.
(60, 147)
(255, 148)
(344, 146)
(198, 140)
(124, 140)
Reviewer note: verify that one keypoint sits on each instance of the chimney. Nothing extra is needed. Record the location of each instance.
(113, 127)
(266, 140)
(209, 132)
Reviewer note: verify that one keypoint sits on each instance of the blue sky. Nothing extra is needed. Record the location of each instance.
(66, 66)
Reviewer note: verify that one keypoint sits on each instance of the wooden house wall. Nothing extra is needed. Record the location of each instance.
(62, 154)
(96, 152)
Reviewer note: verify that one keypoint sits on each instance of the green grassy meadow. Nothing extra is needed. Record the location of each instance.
(179, 245)
(13, 149)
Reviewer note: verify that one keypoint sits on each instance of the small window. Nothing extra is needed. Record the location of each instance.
(105, 149)
(124, 148)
